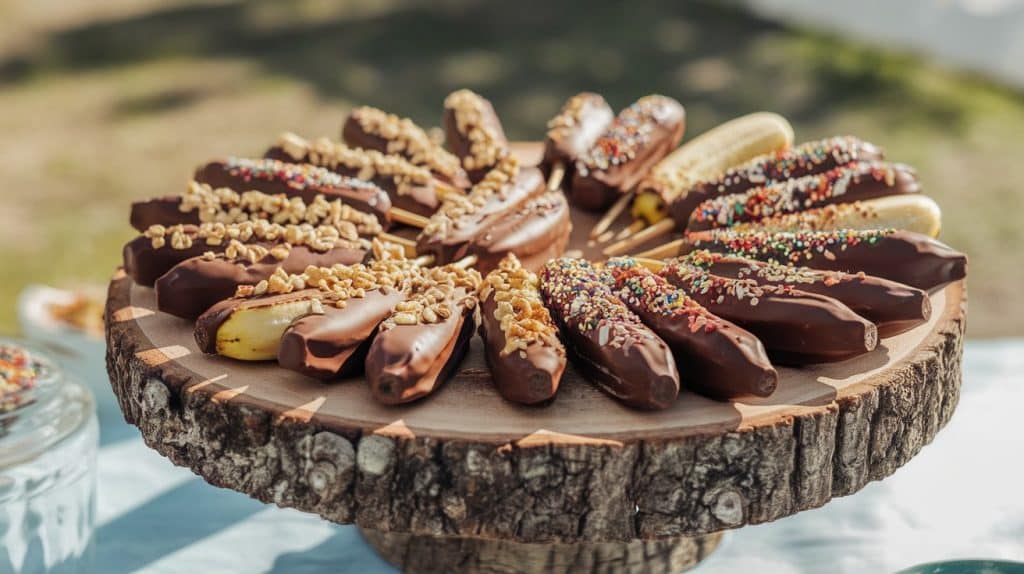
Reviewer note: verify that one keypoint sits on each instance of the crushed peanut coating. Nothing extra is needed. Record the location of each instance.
(435, 293)
(485, 145)
(458, 211)
(404, 137)
(318, 238)
(520, 311)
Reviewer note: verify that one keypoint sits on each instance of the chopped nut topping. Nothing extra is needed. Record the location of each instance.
(522, 315)
(457, 211)
(407, 139)
(435, 292)
(317, 238)
(486, 146)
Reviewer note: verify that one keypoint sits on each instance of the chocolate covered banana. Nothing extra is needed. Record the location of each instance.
(902, 256)
(606, 341)
(917, 213)
(521, 342)
(572, 133)
(638, 138)
(421, 343)
(854, 182)
(410, 187)
(473, 132)
(809, 158)
(795, 326)
(893, 307)
(370, 128)
(202, 203)
(715, 357)
(537, 232)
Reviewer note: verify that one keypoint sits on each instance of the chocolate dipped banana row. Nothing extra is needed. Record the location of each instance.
(421, 343)
(573, 132)
(795, 326)
(411, 188)
(202, 203)
(370, 128)
(917, 213)
(160, 248)
(809, 158)
(716, 358)
(902, 256)
(639, 137)
(845, 184)
(893, 307)
(606, 341)
(521, 342)
(461, 219)
(473, 132)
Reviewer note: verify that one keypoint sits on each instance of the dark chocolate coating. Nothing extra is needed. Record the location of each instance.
(606, 341)
(368, 199)
(452, 244)
(408, 362)
(161, 211)
(845, 184)
(898, 255)
(196, 284)
(582, 119)
(334, 345)
(211, 320)
(809, 158)
(459, 142)
(422, 200)
(716, 358)
(795, 326)
(536, 233)
(893, 307)
(595, 186)
(527, 376)
(145, 264)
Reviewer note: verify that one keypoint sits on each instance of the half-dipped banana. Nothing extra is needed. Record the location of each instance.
(917, 213)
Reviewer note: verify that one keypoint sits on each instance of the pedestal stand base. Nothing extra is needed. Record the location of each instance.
(415, 554)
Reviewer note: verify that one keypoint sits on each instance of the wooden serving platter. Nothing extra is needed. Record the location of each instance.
(584, 469)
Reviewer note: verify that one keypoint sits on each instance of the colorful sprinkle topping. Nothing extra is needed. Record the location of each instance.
(19, 372)
(628, 133)
(640, 288)
(792, 247)
(298, 176)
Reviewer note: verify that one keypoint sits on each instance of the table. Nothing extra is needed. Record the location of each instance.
(958, 499)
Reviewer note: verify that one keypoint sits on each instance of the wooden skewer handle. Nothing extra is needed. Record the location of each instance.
(407, 217)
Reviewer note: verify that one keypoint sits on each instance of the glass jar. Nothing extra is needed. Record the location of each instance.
(48, 442)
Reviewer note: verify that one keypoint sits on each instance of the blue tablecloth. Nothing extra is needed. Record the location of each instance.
(960, 498)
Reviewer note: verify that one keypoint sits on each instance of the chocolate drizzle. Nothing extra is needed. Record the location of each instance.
(606, 341)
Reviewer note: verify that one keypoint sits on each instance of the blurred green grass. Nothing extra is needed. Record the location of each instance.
(108, 101)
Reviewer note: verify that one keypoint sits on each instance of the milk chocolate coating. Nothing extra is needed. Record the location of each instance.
(577, 126)
(846, 184)
(893, 307)
(902, 256)
(606, 341)
(716, 358)
(795, 326)
(354, 135)
(452, 244)
(422, 200)
(161, 211)
(536, 233)
(365, 198)
(408, 362)
(809, 158)
(528, 376)
(460, 144)
(619, 159)
(334, 345)
(196, 284)
(145, 263)
(211, 320)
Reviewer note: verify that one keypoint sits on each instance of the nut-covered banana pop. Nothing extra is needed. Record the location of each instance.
(917, 213)
(893, 307)
(473, 132)
(639, 137)
(795, 326)
(716, 357)
(521, 342)
(571, 133)
(421, 343)
(809, 158)
(844, 184)
(537, 232)
(606, 341)
(410, 187)
(902, 256)
(371, 128)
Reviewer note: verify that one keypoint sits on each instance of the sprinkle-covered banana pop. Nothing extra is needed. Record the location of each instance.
(607, 342)
(473, 132)
(571, 133)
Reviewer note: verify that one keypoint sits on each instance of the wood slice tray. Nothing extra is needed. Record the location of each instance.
(584, 469)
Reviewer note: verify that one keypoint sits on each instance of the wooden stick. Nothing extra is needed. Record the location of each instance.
(407, 217)
(670, 249)
(611, 215)
(556, 177)
(467, 261)
(654, 265)
(408, 245)
(443, 189)
(605, 237)
(624, 246)
(423, 261)
(628, 231)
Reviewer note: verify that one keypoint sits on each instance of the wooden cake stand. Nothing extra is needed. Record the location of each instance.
(465, 481)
